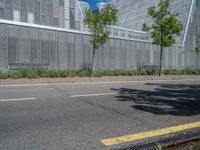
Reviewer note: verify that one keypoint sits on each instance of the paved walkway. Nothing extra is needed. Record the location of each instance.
(89, 79)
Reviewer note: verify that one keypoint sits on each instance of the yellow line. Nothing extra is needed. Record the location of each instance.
(149, 134)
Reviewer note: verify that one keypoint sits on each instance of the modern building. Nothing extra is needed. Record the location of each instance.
(51, 34)
(55, 13)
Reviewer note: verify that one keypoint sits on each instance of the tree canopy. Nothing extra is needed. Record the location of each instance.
(165, 27)
(97, 22)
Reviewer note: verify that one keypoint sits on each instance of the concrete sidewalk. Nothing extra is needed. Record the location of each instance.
(95, 79)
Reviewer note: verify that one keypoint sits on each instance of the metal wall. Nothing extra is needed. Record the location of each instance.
(192, 35)
(56, 13)
(133, 13)
(30, 45)
(57, 49)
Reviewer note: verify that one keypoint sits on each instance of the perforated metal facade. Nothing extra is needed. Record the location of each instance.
(27, 44)
(133, 13)
(57, 13)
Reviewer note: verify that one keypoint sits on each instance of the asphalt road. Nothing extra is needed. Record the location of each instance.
(77, 117)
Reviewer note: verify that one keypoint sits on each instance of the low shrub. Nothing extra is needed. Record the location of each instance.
(31, 74)
(15, 74)
(3, 75)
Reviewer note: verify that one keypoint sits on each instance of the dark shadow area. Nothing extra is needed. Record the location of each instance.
(164, 99)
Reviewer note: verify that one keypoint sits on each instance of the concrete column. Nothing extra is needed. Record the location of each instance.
(16, 15)
(30, 18)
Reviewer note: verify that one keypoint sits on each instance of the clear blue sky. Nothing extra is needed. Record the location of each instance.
(94, 2)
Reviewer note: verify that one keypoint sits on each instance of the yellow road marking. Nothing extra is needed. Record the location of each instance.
(149, 134)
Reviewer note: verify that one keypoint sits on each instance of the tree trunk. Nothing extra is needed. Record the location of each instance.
(161, 55)
(93, 55)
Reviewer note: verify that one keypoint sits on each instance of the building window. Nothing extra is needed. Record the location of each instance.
(30, 6)
(2, 13)
(37, 12)
(56, 21)
(61, 2)
(16, 5)
(23, 10)
(2, 9)
(72, 18)
(2, 3)
(72, 14)
(9, 12)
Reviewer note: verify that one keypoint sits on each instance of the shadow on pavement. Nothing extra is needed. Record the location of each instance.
(165, 99)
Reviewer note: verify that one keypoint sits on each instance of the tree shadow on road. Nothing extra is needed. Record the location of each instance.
(165, 99)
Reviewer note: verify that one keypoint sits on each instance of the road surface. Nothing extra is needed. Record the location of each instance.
(79, 116)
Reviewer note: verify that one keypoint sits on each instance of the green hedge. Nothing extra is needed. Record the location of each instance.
(31, 74)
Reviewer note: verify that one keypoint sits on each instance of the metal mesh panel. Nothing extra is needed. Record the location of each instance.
(63, 51)
(45, 47)
(35, 46)
(134, 56)
(24, 48)
(133, 13)
(87, 53)
(118, 53)
(12, 44)
(53, 50)
(112, 54)
(79, 52)
(71, 48)
(45, 12)
(3, 48)
(123, 58)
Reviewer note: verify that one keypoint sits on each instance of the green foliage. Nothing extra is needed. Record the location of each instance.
(158, 147)
(197, 48)
(3, 75)
(97, 23)
(15, 74)
(165, 27)
(32, 74)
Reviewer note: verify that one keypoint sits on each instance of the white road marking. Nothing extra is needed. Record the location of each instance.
(90, 95)
(17, 99)
(24, 85)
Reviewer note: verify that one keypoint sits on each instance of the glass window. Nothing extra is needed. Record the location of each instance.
(43, 8)
(37, 18)
(43, 20)
(56, 21)
(72, 3)
(2, 13)
(37, 12)
(72, 18)
(1, 3)
(9, 12)
(61, 2)
(23, 11)
(16, 4)
(30, 6)
(9, 4)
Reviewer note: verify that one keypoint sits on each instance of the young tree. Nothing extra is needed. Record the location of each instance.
(97, 23)
(165, 27)
(197, 51)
